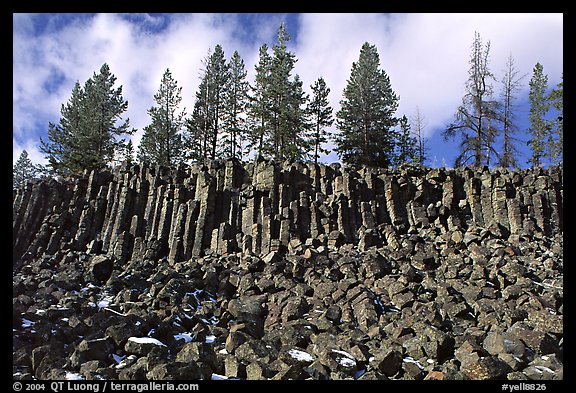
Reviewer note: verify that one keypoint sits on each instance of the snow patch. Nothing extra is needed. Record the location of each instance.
(105, 302)
(147, 340)
(88, 287)
(542, 369)
(345, 359)
(210, 339)
(126, 361)
(346, 362)
(408, 359)
(117, 358)
(26, 323)
(187, 337)
(300, 355)
(218, 377)
(70, 376)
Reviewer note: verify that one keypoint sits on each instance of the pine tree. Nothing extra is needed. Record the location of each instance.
(366, 118)
(208, 113)
(476, 117)
(102, 107)
(406, 144)
(277, 112)
(129, 152)
(321, 116)
(24, 170)
(510, 85)
(198, 126)
(85, 137)
(162, 140)
(297, 143)
(62, 149)
(235, 107)
(556, 140)
(259, 111)
(286, 99)
(539, 106)
(218, 75)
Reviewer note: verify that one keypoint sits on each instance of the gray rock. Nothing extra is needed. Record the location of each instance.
(388, 360)
(141, 346)
(460, 269)
(95, 349)
(101, 267)
(501, 343)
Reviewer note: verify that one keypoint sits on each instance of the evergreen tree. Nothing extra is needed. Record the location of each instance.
(63, 150)
(366, 118)
(24, 170)
(406, 144)
(286, 100)
(208, 113)
(259, 111)
(539, 106)
(236, 104)
(129, 152)
(321, 116)
(199, 125)
(162, 140)
(510, 85)
(85, 137)
(556, 140)
(218, 76)
(102, 107)
(476, 116)
(296, 144)
(277, 112)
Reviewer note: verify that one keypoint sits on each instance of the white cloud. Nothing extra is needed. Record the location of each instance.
(425, 55)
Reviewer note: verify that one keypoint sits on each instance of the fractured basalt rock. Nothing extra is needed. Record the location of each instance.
(278, 271)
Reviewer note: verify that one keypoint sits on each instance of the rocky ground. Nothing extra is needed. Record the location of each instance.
(425, 305)
(269, 270)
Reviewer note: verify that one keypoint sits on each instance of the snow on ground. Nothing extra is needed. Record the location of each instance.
(147, 340)
(300, 355)
(70, 376)
(26, 323)
(345, 359)
(408, 359)
(105, 301)
(126, 361)
(187, 337)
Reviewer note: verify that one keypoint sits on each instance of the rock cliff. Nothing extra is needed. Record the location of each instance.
(273, 270)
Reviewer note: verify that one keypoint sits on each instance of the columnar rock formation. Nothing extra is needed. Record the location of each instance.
(224, 207)
(289, 271)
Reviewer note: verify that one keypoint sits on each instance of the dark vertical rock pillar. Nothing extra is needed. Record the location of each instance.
(228, 207)
(205, 194)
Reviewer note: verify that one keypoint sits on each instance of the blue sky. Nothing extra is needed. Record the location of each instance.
(426, 57)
